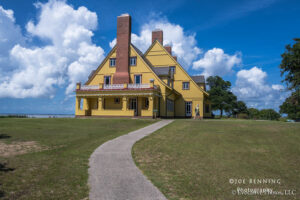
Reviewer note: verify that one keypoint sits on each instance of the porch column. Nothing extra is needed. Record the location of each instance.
(77, 103)
(150, 108)
(100, 103)
(85, 104)
(124, 104)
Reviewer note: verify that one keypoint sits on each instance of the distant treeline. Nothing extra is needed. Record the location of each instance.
(13, 116)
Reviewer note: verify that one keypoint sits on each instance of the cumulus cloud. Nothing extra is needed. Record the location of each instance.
(216, 62)
(184, 45)
(68, 58)
(251, 87)
(10, 35)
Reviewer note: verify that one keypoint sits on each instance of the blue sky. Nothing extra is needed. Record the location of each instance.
(239, 40)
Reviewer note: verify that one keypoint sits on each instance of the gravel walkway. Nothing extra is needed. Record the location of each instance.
(113, 174)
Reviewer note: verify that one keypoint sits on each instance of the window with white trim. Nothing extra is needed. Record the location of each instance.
(132, 61)
(112, 62)
(185, 85)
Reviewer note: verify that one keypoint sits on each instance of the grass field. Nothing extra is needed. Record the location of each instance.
(48, 158)
(197, 159)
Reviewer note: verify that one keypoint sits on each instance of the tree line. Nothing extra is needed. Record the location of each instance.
(223, 100)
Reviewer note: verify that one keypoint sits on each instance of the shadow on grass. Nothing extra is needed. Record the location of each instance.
(4, 136)
(1, 192)
(3, 168)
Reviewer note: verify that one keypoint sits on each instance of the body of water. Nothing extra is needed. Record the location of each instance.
(40, 115)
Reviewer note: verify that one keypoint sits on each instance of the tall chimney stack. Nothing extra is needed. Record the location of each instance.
(123, 49)
(169, 49)
(158, 35)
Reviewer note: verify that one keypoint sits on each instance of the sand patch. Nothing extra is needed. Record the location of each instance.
(17, 148)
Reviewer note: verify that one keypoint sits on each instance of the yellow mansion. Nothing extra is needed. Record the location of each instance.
(130, 83)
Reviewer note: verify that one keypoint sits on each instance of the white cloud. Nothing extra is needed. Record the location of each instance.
(216, 62)
(68, 58)
(251, 87)
(277, 87)
(184, 45)
(10, 35)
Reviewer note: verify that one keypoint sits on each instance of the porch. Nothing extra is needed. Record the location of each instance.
(113, 100)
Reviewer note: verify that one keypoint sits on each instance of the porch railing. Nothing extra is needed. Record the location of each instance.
(113, 86)
(89, 87)
(116, 86)
(138, 86)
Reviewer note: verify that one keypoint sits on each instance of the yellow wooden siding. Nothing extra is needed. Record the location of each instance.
(159, 57)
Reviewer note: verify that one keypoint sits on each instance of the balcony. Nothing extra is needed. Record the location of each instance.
(115, 86)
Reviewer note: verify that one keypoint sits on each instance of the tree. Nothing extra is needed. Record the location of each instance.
(240, 107)
(269, 114)
(220, 95)
(291, 106)
(253, 113)
(290, 65)
(290, 69)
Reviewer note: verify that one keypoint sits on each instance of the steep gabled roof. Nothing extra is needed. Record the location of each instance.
(202, 90)
(198, 79)
(161, 71)
(149, 65)
(94, 72)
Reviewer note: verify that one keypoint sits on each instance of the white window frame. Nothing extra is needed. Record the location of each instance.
(184, 84)
(188, 112)
(133, 61)
(112, 62)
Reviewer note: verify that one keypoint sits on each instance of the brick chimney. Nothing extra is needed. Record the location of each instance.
(169, 49)
(123, 49)
(158, 35)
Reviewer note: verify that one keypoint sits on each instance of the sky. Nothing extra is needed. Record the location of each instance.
(47, 46)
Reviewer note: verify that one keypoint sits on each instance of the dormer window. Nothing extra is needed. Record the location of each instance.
(112, 62)
(132, 61)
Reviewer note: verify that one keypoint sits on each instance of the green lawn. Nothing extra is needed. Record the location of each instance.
(196, 159)
(55, 165)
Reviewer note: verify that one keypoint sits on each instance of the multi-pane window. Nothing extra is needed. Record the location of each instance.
(107, 80)
(172, 69)
(185, 85)
(138, 79)
(112, 62)
(132, 61)
(170, 105)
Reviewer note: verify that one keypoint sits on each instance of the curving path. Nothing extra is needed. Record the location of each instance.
(113, 174)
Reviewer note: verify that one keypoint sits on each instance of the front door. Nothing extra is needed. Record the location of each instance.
(133, 105)
(188, 108)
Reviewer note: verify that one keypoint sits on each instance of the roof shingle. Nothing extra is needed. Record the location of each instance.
(198, 79)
